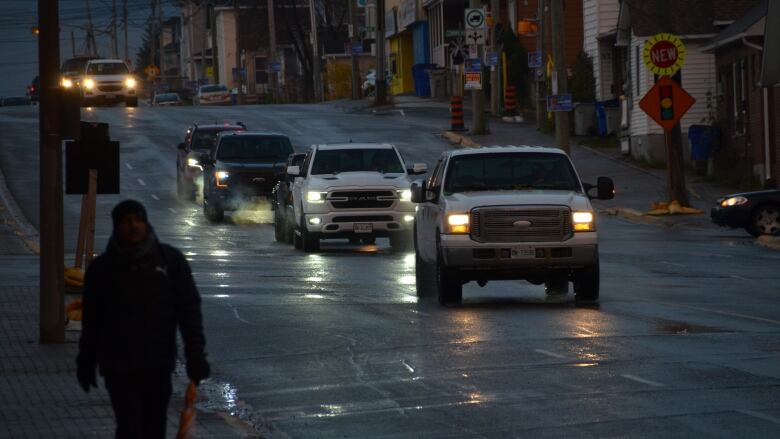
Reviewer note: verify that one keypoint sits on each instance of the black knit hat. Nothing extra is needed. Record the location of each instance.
(127, 207)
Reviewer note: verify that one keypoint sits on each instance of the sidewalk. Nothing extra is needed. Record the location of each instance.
(636, 187)
(39, 394)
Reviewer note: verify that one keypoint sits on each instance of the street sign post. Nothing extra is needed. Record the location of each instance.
(473, 81)
(475, 37)
(152, 71)
(491, 59)
(664, 54)
(556, 103)
(474, 65)
(452, 33)
(475, 19)
(275, 67)
(534, 60)
(666, 103)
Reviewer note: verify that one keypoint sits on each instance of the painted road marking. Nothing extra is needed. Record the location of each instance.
(673, 264)
(172, 210)
(409, 368)
(155, 197)
(129, 166)
(549, 354)
(723, 313)
(141, 182)
(628, 376)
(760, 415)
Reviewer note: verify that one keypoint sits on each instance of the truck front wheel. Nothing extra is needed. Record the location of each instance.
(448, 285)
(586, 283)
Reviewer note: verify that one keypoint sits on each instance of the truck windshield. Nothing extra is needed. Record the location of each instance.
(204, 139)
(107, 68)
(254, 149)
(384, 160)
(510, 171)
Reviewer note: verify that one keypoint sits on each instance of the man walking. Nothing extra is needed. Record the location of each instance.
(136, 293)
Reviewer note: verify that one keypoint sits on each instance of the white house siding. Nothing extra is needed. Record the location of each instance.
(698, 77)
(641, 124)
(590, 43)
(600, 16)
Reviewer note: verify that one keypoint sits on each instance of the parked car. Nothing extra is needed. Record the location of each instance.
(281, 201)
(34, 89)
(757, 212)
(212, 95)
(354, 191)
(243, 169)
(14, 101)
(507, 213)
(167, 100)
(108, 81)
(199, 143)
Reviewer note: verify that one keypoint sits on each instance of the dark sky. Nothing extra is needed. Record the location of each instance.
(19, 47)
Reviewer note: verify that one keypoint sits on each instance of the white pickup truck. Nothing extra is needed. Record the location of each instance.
(358, 191)
(505, 213)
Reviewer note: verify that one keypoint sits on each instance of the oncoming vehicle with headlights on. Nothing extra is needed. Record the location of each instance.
(507, 213)
(108, 81)
(358, 191)
(242, 171)
(199, 143)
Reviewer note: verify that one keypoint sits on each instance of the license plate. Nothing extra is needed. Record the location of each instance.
(363, 228)
(110, 96)
(523, 253)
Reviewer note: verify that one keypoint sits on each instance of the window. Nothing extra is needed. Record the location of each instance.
(254, 149)
(508, 171)
(261, 70)
(383, 160)
(107, 68)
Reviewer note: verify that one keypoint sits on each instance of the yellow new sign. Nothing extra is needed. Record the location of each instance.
(210, 72)
(664, 54)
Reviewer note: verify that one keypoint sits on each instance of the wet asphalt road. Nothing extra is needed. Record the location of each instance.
(685, 342)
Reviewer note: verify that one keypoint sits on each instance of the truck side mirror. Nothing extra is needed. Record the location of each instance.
(418, 189)
(205, 159)
(294, 170)
(417, 169)
(606, 188)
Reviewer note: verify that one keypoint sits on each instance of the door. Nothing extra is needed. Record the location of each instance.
(428, 215)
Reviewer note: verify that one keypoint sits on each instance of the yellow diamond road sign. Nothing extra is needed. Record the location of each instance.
(664, 54)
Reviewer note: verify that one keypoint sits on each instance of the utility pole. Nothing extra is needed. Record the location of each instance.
(239, 80)
(153, 45)
(52, 277)
(161, 40)
(495, 84)
(541, 100)
(114, 36)
(380, 84)
(91, 44)
(214, 57)
(124, 27)
(478, 96)
(315, 50)
(273, 76)
(559, 73)
(352, 41)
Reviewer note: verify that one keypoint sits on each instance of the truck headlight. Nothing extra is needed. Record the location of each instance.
(221, 177)
(316, 197)
(458, 223)
(583, 221)
(89, 83)
(734, 201)
(194, 163)
(66, 83)
(130, 83)
(405, 195)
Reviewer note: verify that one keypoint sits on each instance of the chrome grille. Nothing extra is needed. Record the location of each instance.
(547, 224)
(109, 88)
(362, 199)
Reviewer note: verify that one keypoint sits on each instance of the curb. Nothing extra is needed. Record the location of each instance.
(771, 242)
(15, 219)
(633, 215)
(459, 140)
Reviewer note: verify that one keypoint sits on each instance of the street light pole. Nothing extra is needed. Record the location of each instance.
(52, 277)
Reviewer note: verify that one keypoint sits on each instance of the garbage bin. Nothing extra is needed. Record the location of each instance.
(701, 139)
(608, 117)
(437, 78)
(584, 114)
(422, 81)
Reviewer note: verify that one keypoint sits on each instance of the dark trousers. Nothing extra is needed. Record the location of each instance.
(140, 400)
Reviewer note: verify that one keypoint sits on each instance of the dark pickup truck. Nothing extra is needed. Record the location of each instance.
(243, 169)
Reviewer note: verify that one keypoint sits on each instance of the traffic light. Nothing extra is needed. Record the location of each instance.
(667, 102)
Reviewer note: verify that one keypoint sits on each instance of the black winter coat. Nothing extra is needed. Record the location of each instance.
(132, 309)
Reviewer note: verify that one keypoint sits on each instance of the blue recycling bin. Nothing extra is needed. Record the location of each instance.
(700, 138)
(602, 124)
(422, 82)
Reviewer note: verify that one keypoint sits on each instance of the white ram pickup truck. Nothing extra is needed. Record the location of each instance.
(358, 191)
(506, 213)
